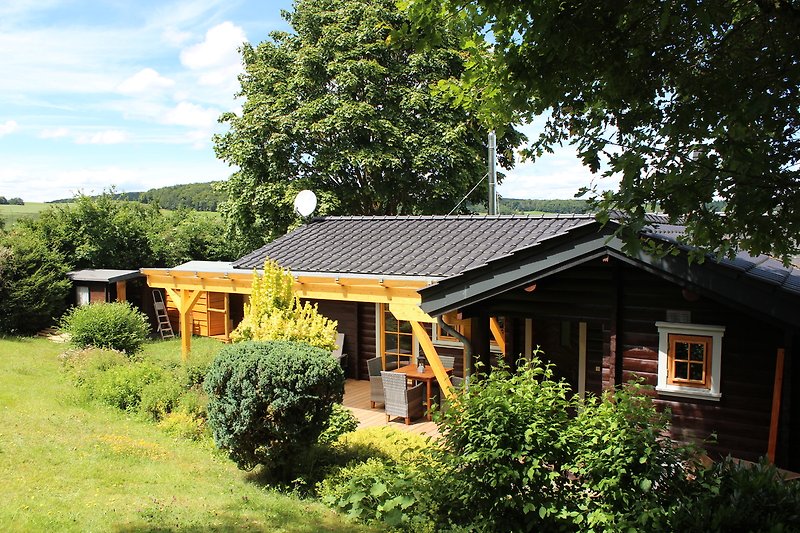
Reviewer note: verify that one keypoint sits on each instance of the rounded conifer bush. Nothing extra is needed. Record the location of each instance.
(269, 400)
(117, 326)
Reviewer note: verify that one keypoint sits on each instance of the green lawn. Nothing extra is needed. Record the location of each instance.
(11, 213)
(69, 466)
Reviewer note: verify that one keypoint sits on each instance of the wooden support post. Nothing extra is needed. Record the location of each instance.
(776, 406)
(497, 334)
(433, 359)
(122, 295)
(185, 301)
(582, 327)
(227, 300)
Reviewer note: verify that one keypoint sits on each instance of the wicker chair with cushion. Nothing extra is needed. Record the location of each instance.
(375, 381)
(400, 400)
(448, 361)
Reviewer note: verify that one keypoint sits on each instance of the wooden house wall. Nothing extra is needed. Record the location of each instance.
(207, 321)
(621, 305)
(741, 417)
(97, 291)
(367, 342)
(346, 315)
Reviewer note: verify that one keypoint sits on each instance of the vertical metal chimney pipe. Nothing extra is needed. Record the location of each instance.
(492, 174)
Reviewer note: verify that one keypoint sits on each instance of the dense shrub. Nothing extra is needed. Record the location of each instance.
(267, 400)
(733, 496)
(341, 421)
(122, 386)
(117, 325)
(86, 364)
(275, 313)
(530, 455)
(33, 283)
(161, 397)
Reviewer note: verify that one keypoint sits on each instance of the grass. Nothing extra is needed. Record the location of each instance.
(70, 466)
(11, 213)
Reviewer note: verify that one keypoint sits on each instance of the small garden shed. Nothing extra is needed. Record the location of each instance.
(102, 285)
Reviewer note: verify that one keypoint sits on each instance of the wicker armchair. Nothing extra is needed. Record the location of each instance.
(400, 400)
(375, 381)
(448, 361)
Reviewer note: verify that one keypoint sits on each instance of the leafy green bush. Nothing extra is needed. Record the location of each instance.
(33, 282)
(117, 325)
(161, 397)
(341, 421)
(184, 425)
(193, 402)
(530, 455)
(122, 386)
(734, 496)
(396, 495)
(267, 400)
(84, 365)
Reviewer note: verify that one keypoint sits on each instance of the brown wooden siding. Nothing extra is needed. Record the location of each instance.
(366, 338)
(346, 316)
(592, 292)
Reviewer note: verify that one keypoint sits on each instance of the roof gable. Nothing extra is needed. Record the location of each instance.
(425, 246)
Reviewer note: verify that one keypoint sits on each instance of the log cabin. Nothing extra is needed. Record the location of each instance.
(715, 339)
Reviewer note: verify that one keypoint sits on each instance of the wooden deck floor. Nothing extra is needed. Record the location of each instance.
(356, 398)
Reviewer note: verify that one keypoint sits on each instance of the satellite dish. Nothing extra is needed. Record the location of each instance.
(305, 203)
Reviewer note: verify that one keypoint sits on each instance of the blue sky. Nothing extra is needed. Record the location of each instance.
(123, 93)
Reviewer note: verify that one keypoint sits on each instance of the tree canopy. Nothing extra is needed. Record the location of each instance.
(684, 103)
(336, 107)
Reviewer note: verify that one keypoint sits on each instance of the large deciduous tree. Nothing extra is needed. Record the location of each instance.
(683, 102)
(336, 107)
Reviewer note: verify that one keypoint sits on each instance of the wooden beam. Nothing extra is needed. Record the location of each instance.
(185, 303)
(410, 313)
(122, 295)
(497, 333)
(582, 359)
(433, 359)
(776, 406)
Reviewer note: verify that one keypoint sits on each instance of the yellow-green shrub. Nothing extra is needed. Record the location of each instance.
(276, 313)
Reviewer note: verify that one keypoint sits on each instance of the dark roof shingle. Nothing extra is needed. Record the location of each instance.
(426, 246)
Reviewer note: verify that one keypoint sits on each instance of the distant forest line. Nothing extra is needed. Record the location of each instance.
(205, 197)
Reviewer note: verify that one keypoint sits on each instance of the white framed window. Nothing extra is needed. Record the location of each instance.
(82, 292)
(689, 360)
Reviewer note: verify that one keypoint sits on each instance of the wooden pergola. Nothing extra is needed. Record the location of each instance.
(399, 293)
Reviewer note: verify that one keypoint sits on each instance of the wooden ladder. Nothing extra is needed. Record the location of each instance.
(164, 325)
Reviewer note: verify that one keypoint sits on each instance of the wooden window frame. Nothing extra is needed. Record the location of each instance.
(706, 342)
(401, 358)
(711, 336)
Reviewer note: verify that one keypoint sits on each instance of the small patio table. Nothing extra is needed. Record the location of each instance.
(427, 376)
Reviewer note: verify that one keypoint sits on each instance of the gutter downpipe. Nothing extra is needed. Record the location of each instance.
(465, 341)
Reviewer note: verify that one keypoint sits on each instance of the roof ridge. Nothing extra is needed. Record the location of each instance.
(455, 217)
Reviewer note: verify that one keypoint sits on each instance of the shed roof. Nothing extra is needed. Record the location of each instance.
(102, 275)
(424, 246)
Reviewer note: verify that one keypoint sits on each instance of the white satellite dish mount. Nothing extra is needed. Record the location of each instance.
(305, 202)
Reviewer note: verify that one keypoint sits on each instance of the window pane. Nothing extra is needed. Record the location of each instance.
(682, 350)
(391, 322)
(696, 371)
(681, 370)
(697, 352)
(405, 326)
(405, 343)
(391, 343)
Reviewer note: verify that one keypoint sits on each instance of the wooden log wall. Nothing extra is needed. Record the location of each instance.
(208, 318)
(601, 292)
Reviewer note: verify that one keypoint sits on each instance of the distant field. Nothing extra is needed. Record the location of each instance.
(11, 213)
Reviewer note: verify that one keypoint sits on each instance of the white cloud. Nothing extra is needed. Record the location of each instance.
(146, 80)
(192, 115)
(216, 60)
(7, 127)
(53, 133)
(103, 137)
